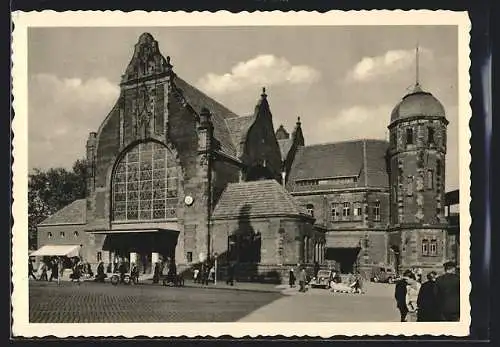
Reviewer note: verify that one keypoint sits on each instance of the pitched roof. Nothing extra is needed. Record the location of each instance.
(238, 128)
(197, 100)
(334, 160)
(74, 213)
(256, 199)
(285, 145)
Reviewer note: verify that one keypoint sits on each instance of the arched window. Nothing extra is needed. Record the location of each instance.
(145, 184)
(310, 209)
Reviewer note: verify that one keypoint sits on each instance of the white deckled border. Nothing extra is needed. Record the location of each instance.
(22, 21)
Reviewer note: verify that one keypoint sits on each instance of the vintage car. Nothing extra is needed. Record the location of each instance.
(322, 280)
(384, 274)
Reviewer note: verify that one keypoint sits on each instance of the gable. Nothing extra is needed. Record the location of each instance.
(74, 213)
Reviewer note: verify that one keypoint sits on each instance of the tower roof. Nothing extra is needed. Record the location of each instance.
(417, 103)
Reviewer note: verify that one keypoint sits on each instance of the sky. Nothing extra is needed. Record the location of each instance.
(343, 81)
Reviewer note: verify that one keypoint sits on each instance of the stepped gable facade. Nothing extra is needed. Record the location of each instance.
(174, 174)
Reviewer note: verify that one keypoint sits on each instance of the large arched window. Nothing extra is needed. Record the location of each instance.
(145, 184)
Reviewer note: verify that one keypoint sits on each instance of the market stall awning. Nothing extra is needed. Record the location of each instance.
(57, 250)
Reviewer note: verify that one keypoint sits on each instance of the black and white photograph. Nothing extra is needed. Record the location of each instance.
(257, 171)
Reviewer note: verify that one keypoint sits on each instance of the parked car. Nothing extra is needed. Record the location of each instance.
(322, 280)
(384, 274)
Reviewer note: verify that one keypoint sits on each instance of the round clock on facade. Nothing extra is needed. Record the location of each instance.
(188, 200)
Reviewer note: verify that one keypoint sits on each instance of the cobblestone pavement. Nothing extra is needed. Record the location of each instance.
(321, 305)
(102, 302)
(96, 302)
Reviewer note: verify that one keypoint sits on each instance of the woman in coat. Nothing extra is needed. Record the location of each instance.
(428, 306)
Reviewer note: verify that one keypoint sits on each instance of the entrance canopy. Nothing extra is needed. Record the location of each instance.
(57, 250)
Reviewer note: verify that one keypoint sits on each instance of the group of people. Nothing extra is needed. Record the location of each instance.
(302, 275)
(438, 299)
(205, 274)
(53, 269)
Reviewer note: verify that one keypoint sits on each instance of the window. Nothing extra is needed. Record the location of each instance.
(409, 136)
(49, 235)
(433, 247)
(75, 234)
(145, 184)
(430, 135)
(62, 234)
(335, 211)
(310, 209)
(357, 211)
(99, 256)
(425, 247)
(346, 211)
(189, 257)
(376, 211)
(409, 186)
(430, 179)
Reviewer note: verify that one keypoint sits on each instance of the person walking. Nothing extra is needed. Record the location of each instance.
(230, 274)
(427, 300)
(54, 274)
(400, 292)
(43, 269)
(291, 278)
(316, 269)
(31, 270)
(302, 280)
(100, 276)
(448, 293)
(412, 291)
(156, 273)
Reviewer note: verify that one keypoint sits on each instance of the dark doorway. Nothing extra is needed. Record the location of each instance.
(346, 258)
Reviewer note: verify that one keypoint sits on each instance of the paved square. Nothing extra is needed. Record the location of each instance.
(97, 303)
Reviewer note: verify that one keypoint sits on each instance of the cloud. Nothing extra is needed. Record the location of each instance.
(61, 113)
(356, 122)
(263, 70)
(389, 63)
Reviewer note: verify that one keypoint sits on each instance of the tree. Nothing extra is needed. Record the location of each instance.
(51, 190)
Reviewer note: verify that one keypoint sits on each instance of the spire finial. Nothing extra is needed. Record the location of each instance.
(264, 95)
(417, 63)
(298, 121)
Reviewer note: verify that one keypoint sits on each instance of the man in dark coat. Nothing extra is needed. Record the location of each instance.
(230, 274)
(400, 295)
(448, 293)
(427, 300)
(316, 269)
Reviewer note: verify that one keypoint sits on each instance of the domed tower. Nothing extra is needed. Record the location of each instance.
(416, 166)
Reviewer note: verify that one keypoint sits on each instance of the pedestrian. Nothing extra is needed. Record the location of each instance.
(54, 274)
(196, 273)
(291, 278)
(30, 270)
(212, 274)
(427, 300)
(302, 280)
(412, 290)
(400, 292)
(100, 276)
(43, 269)
(156, 273)
(230, 274)
(419, 274)
(448, 293)
(316, 269)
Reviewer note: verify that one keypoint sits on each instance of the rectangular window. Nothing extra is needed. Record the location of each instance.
(433, 247)
(99, 256)
(376, 211)
(430, 135)
(189, 257)
(425, 247)
(346, 211)
(409, 136)
(335, 211)
(357, 211)
(430, 179)
(409, 186)
(393, 139)
(62, 234)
